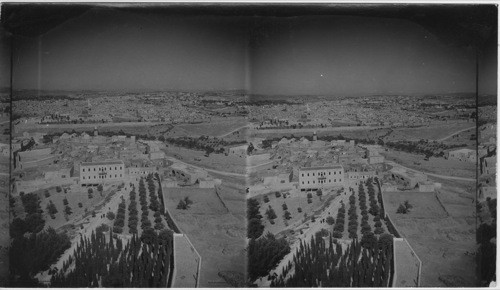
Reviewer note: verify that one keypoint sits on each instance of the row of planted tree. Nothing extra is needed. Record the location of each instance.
(100, 261)
(154, 205)
(319, 263)
(264, 250)
(143, 262)
(353, 222)
(361, 264)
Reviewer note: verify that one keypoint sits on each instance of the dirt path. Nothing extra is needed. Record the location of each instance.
(209, 170)
(258, 165)
(237, 129)
(310, 130)
(431, 174)
(455, 133)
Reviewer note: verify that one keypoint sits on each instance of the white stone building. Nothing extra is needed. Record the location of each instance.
(314, 178)
(101, 172)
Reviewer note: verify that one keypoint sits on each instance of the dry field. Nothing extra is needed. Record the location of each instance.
(425, 205)
(433, 132)
(442, 235)
(461, 138)
(433, 165)
(215, 128)
(349, 131)
(230, 163)
(217, 230)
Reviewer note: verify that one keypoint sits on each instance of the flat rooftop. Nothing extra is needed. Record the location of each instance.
(110, 162)
(322, 167)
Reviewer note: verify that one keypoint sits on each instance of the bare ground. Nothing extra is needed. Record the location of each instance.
(217, 230)
(443, 243)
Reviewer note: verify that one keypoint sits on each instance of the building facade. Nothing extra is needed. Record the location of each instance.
(355, 177)
(101, 172)
(141, 171)
(314, 178)
(464, 155)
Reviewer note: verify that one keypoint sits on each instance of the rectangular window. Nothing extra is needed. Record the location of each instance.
(302, 174)
(83, 169)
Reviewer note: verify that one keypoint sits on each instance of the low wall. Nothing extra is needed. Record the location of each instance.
(407, 265)
(391, 227)
(398, 239)
(37, 184)
(185, 257)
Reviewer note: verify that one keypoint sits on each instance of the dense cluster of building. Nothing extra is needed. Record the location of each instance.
(90, 160)
(394, 111)
(104, 107)
(310, 164)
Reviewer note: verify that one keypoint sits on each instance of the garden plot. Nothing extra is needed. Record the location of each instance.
(205, 200)
(424, 205)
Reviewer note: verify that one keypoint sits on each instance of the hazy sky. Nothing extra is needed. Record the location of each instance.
(354, 55)
(334, 55)
(120, 51)
(4, 60)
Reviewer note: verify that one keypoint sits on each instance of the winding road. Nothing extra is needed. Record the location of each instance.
(431, 174)
(237, 129)
(226, 173)
(455, 133)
